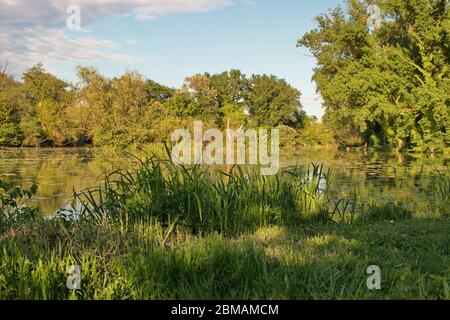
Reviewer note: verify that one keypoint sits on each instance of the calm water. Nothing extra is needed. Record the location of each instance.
(378, 175)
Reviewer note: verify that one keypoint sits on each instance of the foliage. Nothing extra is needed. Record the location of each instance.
(44, 119)
(272, 101)
(439, 189)
(315, 133)
(289, 137)
(387, 212)
(13, 209)
(389, 85)
(10, 134)
(130, 110)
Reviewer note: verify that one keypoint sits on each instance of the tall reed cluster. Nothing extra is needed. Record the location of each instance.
(205, 199)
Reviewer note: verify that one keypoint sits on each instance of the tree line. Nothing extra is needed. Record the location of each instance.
(387, 85)
(42, 110)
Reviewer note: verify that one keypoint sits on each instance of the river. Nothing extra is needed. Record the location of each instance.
(378, 175)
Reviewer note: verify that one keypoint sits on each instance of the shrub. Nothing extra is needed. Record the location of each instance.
(13, 211)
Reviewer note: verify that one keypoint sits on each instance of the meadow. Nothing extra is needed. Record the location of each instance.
(161, 231)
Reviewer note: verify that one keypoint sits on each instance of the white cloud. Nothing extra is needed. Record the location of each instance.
(53, 12)
(28, 46)
(34, 31)
(157, 8)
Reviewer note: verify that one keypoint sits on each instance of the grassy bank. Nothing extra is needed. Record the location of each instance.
(166, 232)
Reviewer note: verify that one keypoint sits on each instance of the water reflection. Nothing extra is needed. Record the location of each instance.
(57, 172)
(377, 175)
(380, 176)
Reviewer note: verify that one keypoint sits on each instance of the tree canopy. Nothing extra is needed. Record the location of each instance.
(127, 110)
(388, 86)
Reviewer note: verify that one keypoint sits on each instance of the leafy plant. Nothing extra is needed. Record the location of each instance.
(13, 209)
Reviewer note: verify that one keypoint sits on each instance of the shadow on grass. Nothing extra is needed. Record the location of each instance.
(302, 262)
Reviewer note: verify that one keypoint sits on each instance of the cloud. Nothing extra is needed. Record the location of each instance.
(54, 12)
(24, 47)
(34, 31)
(157, 8)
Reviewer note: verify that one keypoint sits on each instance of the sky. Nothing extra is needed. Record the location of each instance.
(164, 40)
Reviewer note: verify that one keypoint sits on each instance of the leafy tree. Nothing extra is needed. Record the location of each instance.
(197, 98)
(10, 134)
(385, 86)
(231, 87)
(95, 100)
(157, 92)
(272, 101)
(315, 133)
(124, 110)
(44, 119)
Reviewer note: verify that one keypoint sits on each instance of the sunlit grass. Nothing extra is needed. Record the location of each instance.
(304, 262)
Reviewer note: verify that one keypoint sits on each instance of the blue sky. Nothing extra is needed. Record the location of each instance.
(176, 41)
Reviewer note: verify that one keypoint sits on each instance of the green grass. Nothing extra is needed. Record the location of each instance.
(303, 262)
(439, 190)
(206, 200)
(166, 232)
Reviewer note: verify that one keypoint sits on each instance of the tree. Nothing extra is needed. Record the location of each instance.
(230, 86)
(95, 100)
(10, 99)
(196, 98)
(157, 92)
(272, 101)
(10, 134)
(388, 86)
(44, 119)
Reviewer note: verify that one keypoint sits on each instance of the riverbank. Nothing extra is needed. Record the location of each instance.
(165, 232)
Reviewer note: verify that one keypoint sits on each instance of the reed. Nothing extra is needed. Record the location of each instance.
(206, 199)
(439, 190)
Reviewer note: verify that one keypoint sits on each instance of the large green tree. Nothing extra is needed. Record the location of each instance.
(45, 120)
(389, 85)
(10, 101)
(272, 102)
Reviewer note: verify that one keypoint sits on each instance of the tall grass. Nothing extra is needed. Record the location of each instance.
(439, 190)
(205, 199)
